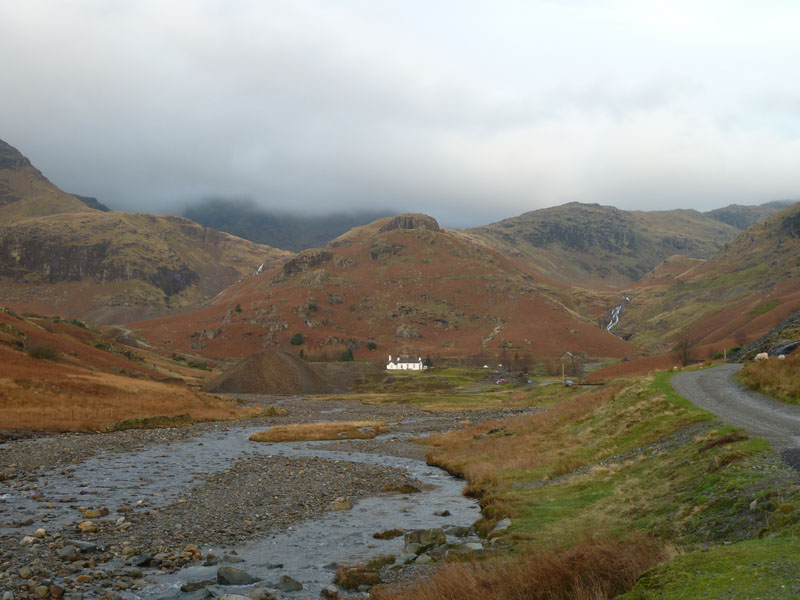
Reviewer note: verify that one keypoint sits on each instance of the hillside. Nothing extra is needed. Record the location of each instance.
(398, 285)
(64, 376)
(601, 246)
(746, 288)
(26, 193)
(59, 256)
(742, 217)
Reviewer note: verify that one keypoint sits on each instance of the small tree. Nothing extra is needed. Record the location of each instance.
(372, 346)
(347, 355)
(297, 339)
(683, 352)
(427, 362)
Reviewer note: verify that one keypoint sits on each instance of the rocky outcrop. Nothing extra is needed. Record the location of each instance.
(51, 261)
(11, 158)
(303, 262)
(411, 221)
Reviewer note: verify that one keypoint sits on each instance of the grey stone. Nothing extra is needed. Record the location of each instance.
(262, 594)
(69, 553)
(287, 584)
(423, 559)
(193, 586)
(426, 538)
(502, 525)
(234, 576)
(458, 531)
(85, 546)
(233, 597)
(473, 546)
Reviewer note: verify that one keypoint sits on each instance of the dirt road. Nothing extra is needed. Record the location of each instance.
(716, 391)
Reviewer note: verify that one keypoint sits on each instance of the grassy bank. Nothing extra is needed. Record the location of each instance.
(777, 378)
(628, 460)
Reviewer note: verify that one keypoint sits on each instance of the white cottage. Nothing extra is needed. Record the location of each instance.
(405, 365)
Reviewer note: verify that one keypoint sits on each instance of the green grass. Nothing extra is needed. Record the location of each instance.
(751, 569)
(652, 462)
(764, 308)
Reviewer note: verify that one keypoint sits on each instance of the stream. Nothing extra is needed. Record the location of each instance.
(160, 474)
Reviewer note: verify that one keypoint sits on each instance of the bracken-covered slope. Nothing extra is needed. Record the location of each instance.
(601, 246)
(400, 283)
(746, 288)
(59, 256)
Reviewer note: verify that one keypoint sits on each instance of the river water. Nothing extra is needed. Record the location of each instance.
(160, 474)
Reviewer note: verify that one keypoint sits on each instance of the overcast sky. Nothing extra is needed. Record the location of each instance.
(468, 111)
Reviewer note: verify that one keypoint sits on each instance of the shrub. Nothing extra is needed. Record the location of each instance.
(372, 346)
(347, 355)
(42, 351)
(297, 339)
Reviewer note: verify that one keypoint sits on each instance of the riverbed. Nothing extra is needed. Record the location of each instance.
(151, 495)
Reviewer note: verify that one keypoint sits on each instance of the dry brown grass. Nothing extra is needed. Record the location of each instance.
(97, 401)
(595, 569)
(777, 378)
(524, 450)
(333, 430)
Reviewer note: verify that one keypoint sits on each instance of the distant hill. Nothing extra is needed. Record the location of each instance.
(279, 230)
(602, 246)
(92, 203)
(57, 255)
(398, 285)
(742, 217)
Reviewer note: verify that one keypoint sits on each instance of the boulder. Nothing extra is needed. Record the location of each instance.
(69, 553)
(261, 594)
(234, 576)
(287, 584)
(426, 538)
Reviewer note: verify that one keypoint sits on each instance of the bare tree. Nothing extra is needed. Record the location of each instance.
(683, 352)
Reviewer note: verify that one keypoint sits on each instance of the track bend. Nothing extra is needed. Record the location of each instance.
(716, 391)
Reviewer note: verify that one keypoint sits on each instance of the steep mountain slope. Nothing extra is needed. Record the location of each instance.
(602, 246)
(58, 255)
(746, 288)
(25, 192)
(399, 285)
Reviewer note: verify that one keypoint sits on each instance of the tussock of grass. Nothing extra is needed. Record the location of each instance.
(154, 422)
(351, 577)
(777, 378)
(594, 569)
(388, 534)
(333, 430)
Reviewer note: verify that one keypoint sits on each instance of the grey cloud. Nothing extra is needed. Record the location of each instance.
(469, 115)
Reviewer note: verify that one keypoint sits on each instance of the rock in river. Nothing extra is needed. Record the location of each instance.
(234, 576)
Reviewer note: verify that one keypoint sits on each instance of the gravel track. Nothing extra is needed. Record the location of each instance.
(716, 391)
